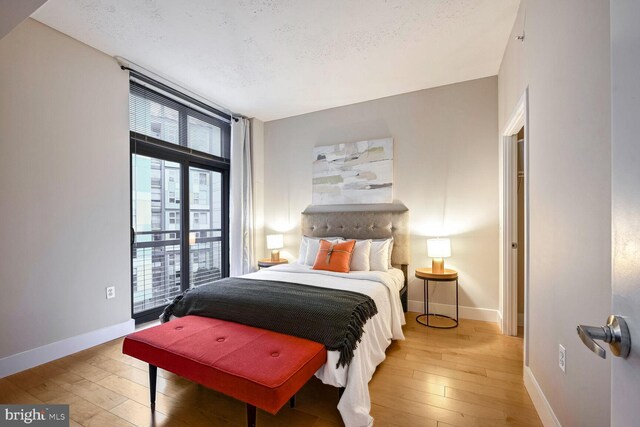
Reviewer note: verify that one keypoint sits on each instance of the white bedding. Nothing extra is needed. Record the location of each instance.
(383, 288)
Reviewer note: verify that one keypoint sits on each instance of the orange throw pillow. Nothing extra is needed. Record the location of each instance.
(334, 257)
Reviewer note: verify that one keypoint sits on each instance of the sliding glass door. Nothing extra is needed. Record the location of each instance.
(178, 229)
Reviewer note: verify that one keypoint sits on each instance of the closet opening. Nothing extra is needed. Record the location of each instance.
(514, 224)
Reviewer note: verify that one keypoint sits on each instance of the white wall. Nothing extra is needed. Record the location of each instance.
(564, 60)
(445, 163)
(64, 180)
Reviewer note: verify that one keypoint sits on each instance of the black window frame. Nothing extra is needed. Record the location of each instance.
(150, 146)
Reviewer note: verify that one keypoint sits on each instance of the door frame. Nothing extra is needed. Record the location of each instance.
(508, 163)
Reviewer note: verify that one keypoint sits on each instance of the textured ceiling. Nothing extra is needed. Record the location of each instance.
(279, 58)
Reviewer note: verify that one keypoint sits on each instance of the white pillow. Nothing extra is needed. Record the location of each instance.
(302, 255)
(360, 255)
(379, 255)
(390, 240)
(313, 245)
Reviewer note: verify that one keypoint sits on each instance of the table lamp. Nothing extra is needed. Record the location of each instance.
(438, 249)
(275, 242)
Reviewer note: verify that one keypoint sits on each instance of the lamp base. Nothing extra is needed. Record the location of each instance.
(275, 255)
(437, 265)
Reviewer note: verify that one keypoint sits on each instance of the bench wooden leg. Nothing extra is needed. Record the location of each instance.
(153, 375)
(251, 416)
(292, 401)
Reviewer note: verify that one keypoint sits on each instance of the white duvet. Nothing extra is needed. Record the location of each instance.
(383, 288)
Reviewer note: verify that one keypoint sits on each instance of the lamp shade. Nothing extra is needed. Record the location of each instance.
(439, 248)
(275, 241)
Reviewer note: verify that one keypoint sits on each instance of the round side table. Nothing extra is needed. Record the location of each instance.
(428, 276)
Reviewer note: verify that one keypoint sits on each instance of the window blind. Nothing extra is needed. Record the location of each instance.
(155, 113)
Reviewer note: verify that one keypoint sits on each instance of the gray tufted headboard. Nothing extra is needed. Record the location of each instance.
(363, 222)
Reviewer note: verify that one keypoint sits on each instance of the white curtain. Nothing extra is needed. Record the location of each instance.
(241, 233)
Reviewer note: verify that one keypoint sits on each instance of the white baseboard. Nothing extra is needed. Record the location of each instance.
(471, 313)
(499, 320)
(545, 412)
(28, 359)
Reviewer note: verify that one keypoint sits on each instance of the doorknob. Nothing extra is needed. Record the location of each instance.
(616, 333)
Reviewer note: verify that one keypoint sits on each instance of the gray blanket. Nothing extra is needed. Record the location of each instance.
(332, 317)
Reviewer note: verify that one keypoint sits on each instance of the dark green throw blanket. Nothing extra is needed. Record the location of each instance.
(332, 317)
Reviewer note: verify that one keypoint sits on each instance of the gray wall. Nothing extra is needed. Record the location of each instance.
(64, 180)
(625, 151)
(445, 163)
(565, 62)
(14, 12)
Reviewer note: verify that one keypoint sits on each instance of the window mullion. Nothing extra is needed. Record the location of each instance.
(183, 128)
(185, 277)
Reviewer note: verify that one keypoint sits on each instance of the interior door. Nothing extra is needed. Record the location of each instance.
(625, 178)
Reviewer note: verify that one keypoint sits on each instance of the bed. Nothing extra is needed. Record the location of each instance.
(368, 222)
(388, 289)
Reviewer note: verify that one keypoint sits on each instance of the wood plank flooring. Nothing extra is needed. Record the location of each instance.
(468, 376)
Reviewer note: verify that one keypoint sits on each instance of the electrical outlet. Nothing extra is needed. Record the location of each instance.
(562, 358)
(111, 292)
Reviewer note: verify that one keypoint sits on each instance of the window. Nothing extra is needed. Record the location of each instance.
(154, 113)
(204, 135)
(179, 148)
(150, 117)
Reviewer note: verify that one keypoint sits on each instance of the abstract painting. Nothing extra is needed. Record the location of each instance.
(353, 173)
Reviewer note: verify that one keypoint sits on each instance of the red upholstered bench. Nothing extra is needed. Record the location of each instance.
(262, 368)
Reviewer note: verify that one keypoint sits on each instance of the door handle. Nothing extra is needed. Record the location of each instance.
(615, 333)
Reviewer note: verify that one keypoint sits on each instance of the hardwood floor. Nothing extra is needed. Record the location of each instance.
(468, 376)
